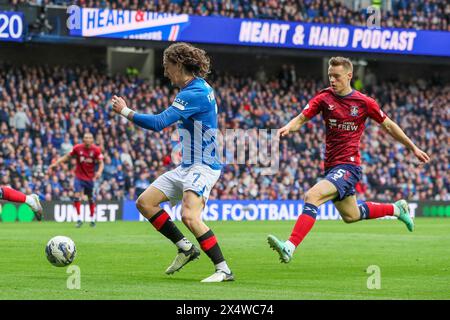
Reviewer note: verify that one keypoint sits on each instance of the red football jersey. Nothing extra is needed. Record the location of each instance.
(345, 119)
(86, 160)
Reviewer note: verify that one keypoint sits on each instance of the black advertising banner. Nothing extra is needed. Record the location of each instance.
(62, 211)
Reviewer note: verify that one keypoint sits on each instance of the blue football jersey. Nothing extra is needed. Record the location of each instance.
(196, 104)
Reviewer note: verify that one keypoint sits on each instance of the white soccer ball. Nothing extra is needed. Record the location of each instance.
(60, 251)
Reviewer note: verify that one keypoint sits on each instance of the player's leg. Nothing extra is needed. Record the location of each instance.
(9, 194)
(148, 205)
(320, 193)
(89, 192)
(350, 211)
(149, 200)
(197, 183)
(193, 204)
(77, 200)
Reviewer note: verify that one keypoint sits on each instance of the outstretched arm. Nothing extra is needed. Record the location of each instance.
(146, 121)
(397, 133)
(64, 158)
(293, 125)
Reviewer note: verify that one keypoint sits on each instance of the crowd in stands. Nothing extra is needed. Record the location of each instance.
(44, 112)
(417, 14)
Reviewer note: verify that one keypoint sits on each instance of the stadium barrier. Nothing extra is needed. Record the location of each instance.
(215, 210)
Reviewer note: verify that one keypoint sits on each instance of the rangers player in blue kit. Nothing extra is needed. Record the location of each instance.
(195, 111)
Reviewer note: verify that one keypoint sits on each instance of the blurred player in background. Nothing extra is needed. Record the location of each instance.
(87, 155)
(195, 111)
(12, 195)
(344, 111)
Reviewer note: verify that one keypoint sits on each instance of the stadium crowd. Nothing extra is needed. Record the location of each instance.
(45, 110)
(417, 14)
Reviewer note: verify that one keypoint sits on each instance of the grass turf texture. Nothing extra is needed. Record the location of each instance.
(127, 260)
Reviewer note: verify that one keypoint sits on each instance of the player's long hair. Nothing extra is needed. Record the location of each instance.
(193, 59)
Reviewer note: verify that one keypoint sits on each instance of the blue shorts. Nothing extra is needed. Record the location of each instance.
(344, 177)
(83, 185)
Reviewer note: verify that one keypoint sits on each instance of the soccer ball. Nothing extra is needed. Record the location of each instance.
(60, 251)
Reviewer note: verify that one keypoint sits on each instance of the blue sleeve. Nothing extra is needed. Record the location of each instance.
(188, 102)
(157, 122)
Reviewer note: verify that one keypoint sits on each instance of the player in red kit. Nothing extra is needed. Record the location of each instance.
(344, 111)
(87, 155)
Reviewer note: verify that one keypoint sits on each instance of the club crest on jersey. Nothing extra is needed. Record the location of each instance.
(354, 111)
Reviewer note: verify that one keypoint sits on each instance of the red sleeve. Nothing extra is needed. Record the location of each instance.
(312, 108)
(99, 155)
(374, 111)
(73, 153)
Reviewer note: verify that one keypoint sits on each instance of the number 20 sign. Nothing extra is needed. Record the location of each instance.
(11, 26)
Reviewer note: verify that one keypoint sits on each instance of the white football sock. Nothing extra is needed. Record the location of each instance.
(289, 246)
(396, 211)
(223, 266)
(184, 244)
(29, 200)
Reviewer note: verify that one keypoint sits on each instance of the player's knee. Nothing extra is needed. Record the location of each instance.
(349, 218)
(187, 220)
(141, 205)
(145, 207)
(312, 196)
(190, 220)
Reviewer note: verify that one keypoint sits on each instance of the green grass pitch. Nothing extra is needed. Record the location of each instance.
(127, 260)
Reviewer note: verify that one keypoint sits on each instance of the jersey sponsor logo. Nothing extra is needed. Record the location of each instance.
(180, 104)
(332, 123)
(347, 126)
(354, 111)
(87, 160)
